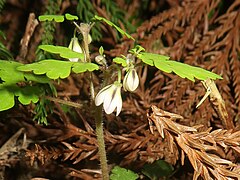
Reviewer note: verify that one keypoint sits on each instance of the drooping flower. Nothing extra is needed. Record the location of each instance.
(75, 46)
(131, 80)
(111, 98)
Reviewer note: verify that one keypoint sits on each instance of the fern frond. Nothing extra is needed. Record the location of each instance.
(2, 3)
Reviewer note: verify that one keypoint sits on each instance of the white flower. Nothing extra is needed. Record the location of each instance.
(131, 80)
(111, 98)
(75, 46)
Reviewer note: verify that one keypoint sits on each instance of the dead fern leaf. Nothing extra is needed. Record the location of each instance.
(200, 148)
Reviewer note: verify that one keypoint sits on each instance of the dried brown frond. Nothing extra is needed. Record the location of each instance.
(203, 149)
(43, 154)
(141, 147)
(80, 151)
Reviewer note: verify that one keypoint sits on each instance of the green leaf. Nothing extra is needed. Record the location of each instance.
(2, 35)
(183, 70)
(57, 18)
(83, 67)
(113, 25)
(101, 50)
(70, 17)
(52, 68)
(121, 61)
(6, 99)
(64, 52)
(29, 94)
(119, 173)
(55, 69)
(25, 95)
(157, 169)
(10, 75)
(163, 66)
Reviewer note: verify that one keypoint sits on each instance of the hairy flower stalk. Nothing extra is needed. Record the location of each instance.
(84, 29)
(131, 80)
(75, 46)
(110, 97)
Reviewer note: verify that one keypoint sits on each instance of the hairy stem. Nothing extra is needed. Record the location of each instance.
(85, 29)
(101, 143)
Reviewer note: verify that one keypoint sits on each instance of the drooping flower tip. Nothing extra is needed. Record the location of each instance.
(131, 80)
(111, 98)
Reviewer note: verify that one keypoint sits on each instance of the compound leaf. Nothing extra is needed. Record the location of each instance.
(10, 77)
(113, 25)
(55, 69)
(119, 173)
(64, 52)
(57, 18)
(183, 70)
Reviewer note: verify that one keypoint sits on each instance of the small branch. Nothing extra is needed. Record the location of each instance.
(30, 28)
(218, 103)
(61, 101)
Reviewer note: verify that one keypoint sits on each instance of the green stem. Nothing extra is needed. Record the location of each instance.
(101, 143)
(119, 75)
(119, 72)
(85, 29)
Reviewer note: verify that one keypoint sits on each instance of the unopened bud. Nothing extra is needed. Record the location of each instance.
(75, 46)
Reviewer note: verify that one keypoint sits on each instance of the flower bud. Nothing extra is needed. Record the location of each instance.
(89, 38)
(131, 80)
(75, 46)
(101, 60)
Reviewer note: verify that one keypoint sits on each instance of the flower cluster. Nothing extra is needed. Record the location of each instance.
(110, 96)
